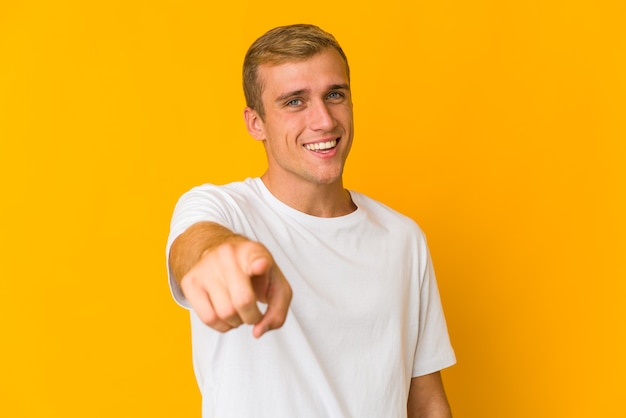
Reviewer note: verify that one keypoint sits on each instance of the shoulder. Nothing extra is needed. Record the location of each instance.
(222, 192)
(217, 203)
(386, 214)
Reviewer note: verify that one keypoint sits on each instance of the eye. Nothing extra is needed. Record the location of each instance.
(294, 102)
(334, 95)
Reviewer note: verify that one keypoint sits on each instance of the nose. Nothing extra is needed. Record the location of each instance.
(321, 118)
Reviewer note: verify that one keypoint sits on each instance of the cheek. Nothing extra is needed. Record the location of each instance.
(291, 129)
(282, 125)
(344, 114)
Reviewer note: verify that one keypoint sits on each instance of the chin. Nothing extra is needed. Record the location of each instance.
(329, 179)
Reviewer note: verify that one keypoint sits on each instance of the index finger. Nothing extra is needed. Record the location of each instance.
(239, 284)
(278, 300)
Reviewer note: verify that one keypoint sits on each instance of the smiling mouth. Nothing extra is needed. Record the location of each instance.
(321, 146)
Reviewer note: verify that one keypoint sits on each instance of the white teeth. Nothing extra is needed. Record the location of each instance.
(318, 146)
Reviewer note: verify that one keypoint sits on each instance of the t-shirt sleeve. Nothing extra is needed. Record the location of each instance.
(434, 350)
(202, 203)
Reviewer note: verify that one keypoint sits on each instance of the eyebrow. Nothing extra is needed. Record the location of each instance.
(343, 86)
(289, 94)
(285, 96)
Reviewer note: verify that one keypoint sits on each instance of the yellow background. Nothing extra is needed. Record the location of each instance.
(499, 126)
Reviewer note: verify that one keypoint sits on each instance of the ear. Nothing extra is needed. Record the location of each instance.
(254, 124)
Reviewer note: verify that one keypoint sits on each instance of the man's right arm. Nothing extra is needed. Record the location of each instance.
(223, 275)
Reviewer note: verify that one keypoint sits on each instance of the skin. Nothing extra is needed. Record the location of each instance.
(306, 102)
(222, 274)
(427, 398)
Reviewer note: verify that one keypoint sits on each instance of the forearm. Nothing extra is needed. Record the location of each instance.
(197, 240)
(442, 411)
(427, 398)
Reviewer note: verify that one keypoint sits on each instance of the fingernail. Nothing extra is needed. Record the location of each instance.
(264, 330)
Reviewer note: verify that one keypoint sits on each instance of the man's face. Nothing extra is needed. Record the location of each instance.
(308, 126)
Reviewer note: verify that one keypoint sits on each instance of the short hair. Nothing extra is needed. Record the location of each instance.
(283, 44)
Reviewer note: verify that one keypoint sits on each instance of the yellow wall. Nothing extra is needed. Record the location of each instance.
(498, 125)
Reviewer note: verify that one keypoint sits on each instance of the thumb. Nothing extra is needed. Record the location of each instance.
(259, 272)
(258, 266)
(279, 296)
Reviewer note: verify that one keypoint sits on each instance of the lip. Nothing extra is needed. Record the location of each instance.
(322, 140)
(327, 153)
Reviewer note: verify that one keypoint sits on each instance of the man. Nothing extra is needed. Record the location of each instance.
(345, 284)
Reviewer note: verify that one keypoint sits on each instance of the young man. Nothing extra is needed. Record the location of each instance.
(345, 283)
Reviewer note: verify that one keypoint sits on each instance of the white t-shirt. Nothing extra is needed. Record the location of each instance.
(365, 317)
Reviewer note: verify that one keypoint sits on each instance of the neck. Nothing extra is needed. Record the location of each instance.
(322, 200)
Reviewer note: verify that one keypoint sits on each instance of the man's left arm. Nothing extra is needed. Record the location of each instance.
(427, 398)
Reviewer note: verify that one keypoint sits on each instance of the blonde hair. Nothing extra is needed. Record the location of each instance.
(278, 46)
